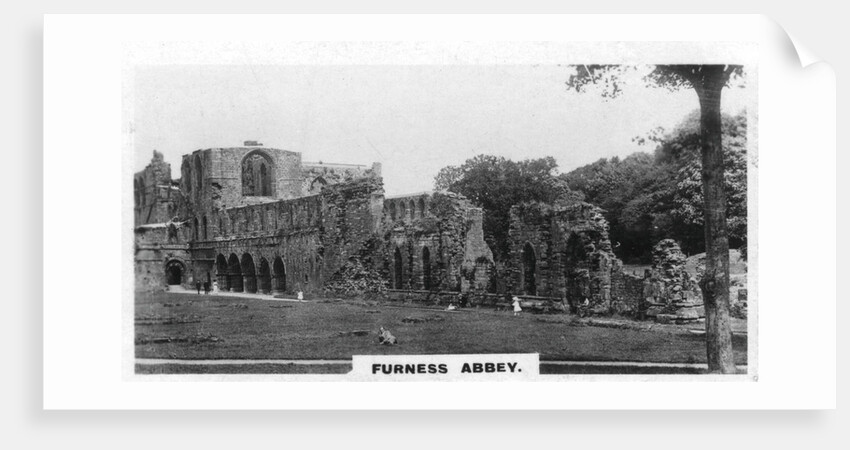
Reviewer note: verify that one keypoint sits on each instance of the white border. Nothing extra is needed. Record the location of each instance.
(82, 132)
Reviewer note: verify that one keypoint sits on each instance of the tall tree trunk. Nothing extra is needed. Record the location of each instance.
(715, 281)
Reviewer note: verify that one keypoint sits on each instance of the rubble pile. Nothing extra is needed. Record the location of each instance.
(671, 294)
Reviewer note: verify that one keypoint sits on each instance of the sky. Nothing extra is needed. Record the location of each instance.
(414, 120)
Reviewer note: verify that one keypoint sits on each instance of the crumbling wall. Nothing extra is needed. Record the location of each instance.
(155, 249)
(670, 293)
(439, 240)
(153, 194)
(565, 248)
(315, 176)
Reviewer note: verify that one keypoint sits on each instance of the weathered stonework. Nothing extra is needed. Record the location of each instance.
(434, 242)
(256, 219)
(561, 251)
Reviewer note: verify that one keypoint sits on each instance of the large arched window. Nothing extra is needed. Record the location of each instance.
(204, 224)
(258, 178)
(186, 174)
(199, 173)
(402, 210)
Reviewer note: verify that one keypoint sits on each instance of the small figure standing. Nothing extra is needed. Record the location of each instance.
(215, 287)
(206, 288)
(198, 285)
(300, 295)
(516, 306)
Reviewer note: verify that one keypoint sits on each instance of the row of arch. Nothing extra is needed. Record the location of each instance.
(406, 209)
(575, 258)
(243, 275)
(201, 228)
(398, 270)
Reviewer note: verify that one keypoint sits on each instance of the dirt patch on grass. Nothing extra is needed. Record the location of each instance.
(200, 338)
(423, 319)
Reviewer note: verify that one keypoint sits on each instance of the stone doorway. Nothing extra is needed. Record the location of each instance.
(174, 273)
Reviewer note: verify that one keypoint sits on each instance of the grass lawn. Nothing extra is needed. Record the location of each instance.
(180, 326)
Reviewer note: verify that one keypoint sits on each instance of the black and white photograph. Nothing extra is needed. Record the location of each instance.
(444, 221)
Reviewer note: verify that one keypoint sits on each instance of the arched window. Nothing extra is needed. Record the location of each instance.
(412, 211)
(317, 184)
(204, 223)
(258, 178)
(199, 173)
(195, 228)
(421, 207)
(186, 174)
(426, 269)
(402, 210)
(392, 211)
(397, 269)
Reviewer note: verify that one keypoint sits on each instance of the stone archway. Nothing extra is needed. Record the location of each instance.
(221, 273)
(234, 272)
(265, 277)
(397, 269)
(529, 270)
(249, 272)
(576, 268)
(174, 271)
(426, 269)
(279, 275)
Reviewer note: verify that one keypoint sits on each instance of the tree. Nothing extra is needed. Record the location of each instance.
(495, 183)
(708, 82)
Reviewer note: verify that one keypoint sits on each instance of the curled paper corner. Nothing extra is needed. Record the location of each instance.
(795, 47)
(804, 54)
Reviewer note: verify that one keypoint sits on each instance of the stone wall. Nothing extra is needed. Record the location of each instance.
(155, 200)
(289, 241)
(433, 241)
(560, 251)
(158, 248)
(318, 175)
(627, 292)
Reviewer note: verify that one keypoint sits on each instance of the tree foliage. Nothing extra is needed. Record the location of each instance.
(649, 197)
(495, 183)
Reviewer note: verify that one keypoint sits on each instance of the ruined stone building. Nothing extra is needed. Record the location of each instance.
(259, 219)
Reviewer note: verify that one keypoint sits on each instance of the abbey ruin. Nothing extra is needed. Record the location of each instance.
(256, 219)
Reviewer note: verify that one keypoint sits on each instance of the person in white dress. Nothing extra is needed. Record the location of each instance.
(517, 308)
(300, 295)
